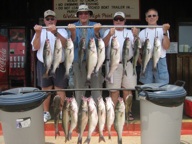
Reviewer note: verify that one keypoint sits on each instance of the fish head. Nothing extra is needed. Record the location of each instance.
(115, 43)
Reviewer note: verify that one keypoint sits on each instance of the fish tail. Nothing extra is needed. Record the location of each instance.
(88, 82)
(87, 140)
(45, 75)
(107, 79)
(101, 138)
(79, 141)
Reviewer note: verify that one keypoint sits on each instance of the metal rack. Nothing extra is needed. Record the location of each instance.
(116, 26)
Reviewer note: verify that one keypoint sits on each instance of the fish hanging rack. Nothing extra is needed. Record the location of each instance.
(93, 89)
(116, 26)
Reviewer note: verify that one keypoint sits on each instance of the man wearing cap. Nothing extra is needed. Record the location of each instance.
(79, 74)
(38, 42)
(120, 79)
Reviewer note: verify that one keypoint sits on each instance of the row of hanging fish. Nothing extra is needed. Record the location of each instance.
(148, 51)
(53, 60)
(101, 115)
(96, 56)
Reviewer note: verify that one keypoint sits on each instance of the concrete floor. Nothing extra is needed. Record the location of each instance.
(185, 139)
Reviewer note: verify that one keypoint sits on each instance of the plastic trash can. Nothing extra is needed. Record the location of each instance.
(21, 116)
(161, 111)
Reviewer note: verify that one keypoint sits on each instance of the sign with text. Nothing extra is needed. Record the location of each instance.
(102, 9)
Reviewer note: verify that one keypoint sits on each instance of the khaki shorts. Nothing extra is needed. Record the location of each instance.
(121, 80)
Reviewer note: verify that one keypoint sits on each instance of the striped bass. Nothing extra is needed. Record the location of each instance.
(146, 55)
(69, 56)
(47, 58)
(114, 57)
(156, 52)
(100, 55)
(137, 46)
(125, 55)
(119, 118)
(92, 119)
(91, 59)
(57, 56)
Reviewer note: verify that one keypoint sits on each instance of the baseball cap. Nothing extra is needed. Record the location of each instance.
(84, 7)
(49, 13)
(119, 14)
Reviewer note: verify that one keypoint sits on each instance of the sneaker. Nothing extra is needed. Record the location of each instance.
(131, 118)
(60, 115)
(46, 116)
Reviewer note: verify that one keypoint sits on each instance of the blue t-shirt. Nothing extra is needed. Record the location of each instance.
(87, 33)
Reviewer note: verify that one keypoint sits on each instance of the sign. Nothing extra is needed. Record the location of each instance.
(173, 48)
(102, 9)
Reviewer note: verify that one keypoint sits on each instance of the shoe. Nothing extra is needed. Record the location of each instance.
(130, 116)
(46, 116)
(60, 115)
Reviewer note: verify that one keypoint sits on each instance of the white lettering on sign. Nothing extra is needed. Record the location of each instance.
(102, 9)
(3, 55)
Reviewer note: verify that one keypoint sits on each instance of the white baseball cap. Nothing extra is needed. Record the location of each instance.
(49, 13)
(119, 14)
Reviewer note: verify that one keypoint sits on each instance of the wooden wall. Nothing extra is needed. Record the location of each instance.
(179, 66)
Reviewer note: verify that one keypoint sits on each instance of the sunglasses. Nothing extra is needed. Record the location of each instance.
(52, 19)
(85, 13)
(151, 16)
(120, 19)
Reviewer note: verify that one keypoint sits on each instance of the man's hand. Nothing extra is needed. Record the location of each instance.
(166, 27)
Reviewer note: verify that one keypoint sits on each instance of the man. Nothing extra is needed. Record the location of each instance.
(160, 75)
(38, 42)
(77, 34)
(120, 79)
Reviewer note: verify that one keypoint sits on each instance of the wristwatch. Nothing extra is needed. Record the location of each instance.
(165, 34)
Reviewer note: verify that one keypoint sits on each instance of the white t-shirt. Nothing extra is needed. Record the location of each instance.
(151, 34)
(121, 35)
(51, 38)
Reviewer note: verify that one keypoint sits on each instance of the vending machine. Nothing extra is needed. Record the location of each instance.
(3, 59)
(17, 57)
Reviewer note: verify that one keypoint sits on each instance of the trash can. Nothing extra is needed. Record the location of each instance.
(161, 111)
(21, 116)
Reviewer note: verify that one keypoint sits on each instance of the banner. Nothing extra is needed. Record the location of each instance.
(102, 9)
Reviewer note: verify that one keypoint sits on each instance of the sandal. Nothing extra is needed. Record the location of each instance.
(131, 116)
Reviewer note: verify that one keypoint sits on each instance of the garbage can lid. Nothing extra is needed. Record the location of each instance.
(163, 94)
(20, 101)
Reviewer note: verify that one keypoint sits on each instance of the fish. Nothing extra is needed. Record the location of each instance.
(47, 58)
(156, 52)
(136, 47)
(56, 111)
(100, 55)
(101, 117)
(82, 118)
(91, 59)
(92, 118)
(57, 56)
(66, 117)
(110, 114)
(69, 56)
(81, 52)
(73, 112)
(125, 55)
(119, 119)
(146, 54)
(114, 57)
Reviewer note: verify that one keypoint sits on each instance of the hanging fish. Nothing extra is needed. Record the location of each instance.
(47, 58)
(156, 52)
(137, 46)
